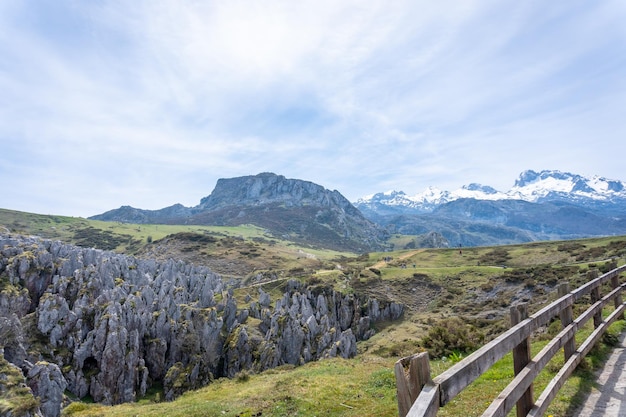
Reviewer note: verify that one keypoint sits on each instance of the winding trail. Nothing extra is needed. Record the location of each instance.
(380, 264)
(608, 397)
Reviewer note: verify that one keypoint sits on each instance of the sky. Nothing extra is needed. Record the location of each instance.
(148, 103)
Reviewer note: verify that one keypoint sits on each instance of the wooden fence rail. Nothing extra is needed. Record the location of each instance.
(421, 396)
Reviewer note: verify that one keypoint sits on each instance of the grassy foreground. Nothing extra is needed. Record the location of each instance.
(364, 386)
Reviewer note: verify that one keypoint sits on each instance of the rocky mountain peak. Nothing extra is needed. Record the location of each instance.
(269, 188)
(292, 209)
(479, 187)
(558, 185)
(529, 177)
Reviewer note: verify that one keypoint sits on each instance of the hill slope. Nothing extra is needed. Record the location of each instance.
(441, 285)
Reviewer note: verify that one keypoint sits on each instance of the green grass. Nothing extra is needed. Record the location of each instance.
(333, 387)
(66, 229)
(364, 386)
(15, 397)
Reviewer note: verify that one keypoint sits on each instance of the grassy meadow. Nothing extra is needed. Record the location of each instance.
(469, 291)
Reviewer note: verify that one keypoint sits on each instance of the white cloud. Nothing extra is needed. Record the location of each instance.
(140, 99)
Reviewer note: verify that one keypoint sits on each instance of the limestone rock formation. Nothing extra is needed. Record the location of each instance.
(47, 383)
(109, 326)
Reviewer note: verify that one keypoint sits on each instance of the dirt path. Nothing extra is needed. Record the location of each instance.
(608, 397)
(380, 264)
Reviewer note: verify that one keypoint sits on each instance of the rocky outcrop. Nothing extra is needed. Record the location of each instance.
(48, 384)
(291, 209)
(304, 325)
(109, 326)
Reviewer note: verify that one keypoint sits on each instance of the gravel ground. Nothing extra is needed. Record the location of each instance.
(608, 397)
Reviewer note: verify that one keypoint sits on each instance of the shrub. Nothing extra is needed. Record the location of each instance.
(242, 376)
(608, 266)
(570, 247)
(497, 256)
(375, 270)
(452, 336)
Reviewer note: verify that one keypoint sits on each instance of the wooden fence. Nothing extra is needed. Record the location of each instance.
(419, 395)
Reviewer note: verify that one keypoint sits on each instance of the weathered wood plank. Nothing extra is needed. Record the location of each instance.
(567, 316)
(427, 404)
(521, 358)
(420, 369)
(618, 300)
(402, 389)
(412, 373)
(586, 288)
(456, 378)
(459, 376)
(595, 296)
(504, 403)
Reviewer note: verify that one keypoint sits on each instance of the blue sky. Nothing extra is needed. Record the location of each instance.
(149, 103)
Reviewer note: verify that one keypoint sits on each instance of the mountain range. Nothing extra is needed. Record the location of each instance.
(531, 186)
(545, 205)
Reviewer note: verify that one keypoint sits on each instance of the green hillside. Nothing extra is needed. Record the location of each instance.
(464, 295)
(365, 386)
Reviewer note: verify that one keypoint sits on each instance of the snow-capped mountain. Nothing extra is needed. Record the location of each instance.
(399, 200)
(546, 205)
(530, 186)
(556, 185)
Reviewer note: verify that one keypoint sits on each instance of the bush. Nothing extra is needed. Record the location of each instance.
(497, 256)
(242, 376)
(452, 336)
(608, 266)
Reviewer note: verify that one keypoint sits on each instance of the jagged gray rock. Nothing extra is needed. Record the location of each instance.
(302, 328)
(111, 325)
(47, 383)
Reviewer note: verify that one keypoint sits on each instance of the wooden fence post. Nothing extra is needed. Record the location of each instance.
(595, 296)
(567, 316)
(412, 373)
(618, 300)
(521, 358)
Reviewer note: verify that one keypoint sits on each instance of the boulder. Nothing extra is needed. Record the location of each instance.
(48, 384)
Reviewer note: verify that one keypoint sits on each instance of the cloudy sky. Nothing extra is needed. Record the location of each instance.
(148, 103)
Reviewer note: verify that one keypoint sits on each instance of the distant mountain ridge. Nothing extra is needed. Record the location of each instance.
(545, 205)
(547, 185)
(294, 209)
